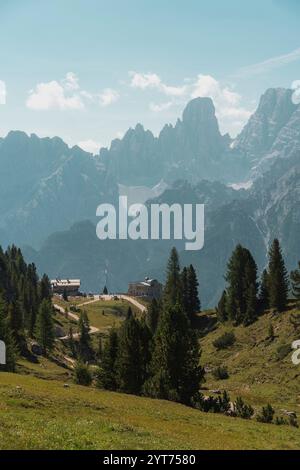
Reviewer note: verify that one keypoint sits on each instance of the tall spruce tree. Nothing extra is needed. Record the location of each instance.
(277, 278)
(16, 321)
(84, 336)
(107, 373)
(7, 337)
(264, 290)
(129, 367)
(45, 288)
(295, 280)
(185, 291)
(173, 287)
(176, 373)
(222, 309)
(194, 305)
(45, 326)
(242, 286)
(152, 315)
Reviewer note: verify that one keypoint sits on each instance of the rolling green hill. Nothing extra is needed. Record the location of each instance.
(260, 369)
(41, 407)
(44, 414)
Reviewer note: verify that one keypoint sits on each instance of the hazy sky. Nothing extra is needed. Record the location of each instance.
(87, 70)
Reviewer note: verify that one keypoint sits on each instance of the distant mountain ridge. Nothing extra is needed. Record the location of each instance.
(48, 187)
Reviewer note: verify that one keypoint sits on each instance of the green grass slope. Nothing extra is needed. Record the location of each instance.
(43, 414)
(260, 369)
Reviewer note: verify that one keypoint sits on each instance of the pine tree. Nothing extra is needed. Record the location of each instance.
(146, 337)
(152, 315)
(278, 278)
(185, 291)
(242, 289)
(45, 327)
(45, 288)
(16, 321)
(264, 290)
(84, 336)
(221, 308)
(107, 373)
(173, 287)
(82, 374)
(194, 305)
(7, 337)
(129, 361)
(176, 374)
(105, 291)
(251, 308)
(295, 280)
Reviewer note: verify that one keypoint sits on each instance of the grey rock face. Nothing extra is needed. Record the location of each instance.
(46, 186)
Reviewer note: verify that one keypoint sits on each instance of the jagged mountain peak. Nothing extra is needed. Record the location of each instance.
(273, 113)
(199, 110)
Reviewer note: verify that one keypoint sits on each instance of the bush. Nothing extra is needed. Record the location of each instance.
(211, 404)
(282, 351)
(82, 374)
(280, 421)
(74, 309)
(225, 341)
(293, 421)
(267, 414)
(242, 410)
(220, 373)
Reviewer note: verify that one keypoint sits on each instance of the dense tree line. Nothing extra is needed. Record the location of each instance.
(244, 297)
(158, 356)
(25, 306)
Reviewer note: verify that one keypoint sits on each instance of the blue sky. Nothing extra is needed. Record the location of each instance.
(87, 70)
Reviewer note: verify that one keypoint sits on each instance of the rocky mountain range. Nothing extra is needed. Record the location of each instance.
(47, 186)
(50, 193)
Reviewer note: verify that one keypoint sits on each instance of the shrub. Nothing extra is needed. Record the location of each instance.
(74, 309)
(267, 414)
(82, 374)
(211, 404)
(220, 373)
(282, 351)
(280, 421)
(242, 410)
(293, 421)
(225, 341)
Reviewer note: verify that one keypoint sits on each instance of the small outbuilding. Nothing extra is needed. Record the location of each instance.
(149, 288)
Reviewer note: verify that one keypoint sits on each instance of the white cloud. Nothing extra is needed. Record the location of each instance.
(71, 82)
(67, 94)
(152, 80)
(269, 64)
(144, 80)
(108, 96)
(90, 146)
(229, 110)
(296, 95)
(2, 92)
(157, 108)
(56, 95)
(120, 135)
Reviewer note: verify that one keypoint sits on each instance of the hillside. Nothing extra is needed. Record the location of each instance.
(260, 369)
(87, 418)
(84, 418)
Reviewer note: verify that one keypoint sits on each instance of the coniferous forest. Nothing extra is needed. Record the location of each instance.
(157, 354)
(26, 311)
